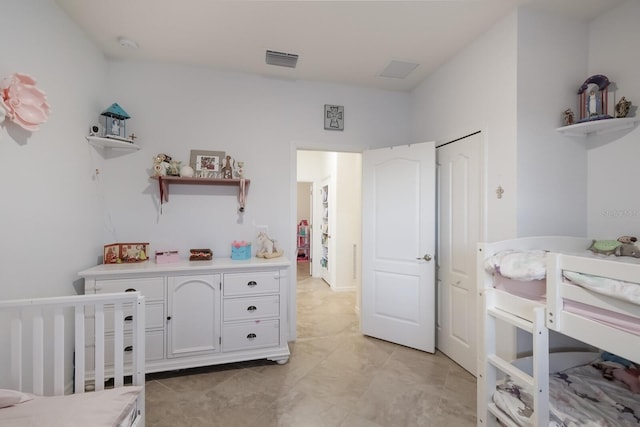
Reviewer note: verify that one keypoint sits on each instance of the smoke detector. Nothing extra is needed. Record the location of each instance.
(281, 59)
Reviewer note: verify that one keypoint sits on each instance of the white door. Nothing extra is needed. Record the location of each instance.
(398, 243)
(193, 319)
(459, 225)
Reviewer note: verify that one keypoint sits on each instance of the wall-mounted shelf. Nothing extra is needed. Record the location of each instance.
(100, 142)
(165, 181)
(599, 127)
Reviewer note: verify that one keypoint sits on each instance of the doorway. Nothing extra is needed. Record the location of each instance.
(304, 256)
(330, 184)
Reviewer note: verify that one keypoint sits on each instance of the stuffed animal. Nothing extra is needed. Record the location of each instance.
(628, 247)
(267, 247)
(605, 247)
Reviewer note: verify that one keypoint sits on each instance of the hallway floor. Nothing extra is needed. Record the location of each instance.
(335, 377)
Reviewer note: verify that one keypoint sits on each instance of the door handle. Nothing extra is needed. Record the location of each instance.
(426, 257)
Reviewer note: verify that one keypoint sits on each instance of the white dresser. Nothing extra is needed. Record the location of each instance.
(201, 313)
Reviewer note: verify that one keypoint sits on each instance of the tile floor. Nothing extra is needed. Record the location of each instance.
(335, 377)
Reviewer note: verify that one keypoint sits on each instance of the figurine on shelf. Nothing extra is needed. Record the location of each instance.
(622, 108)
(161, 164)
(568, 117)
(227, 169)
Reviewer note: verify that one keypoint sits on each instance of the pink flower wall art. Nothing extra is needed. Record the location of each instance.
(22, 102)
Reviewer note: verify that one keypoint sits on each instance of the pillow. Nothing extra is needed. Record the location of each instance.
(12, 397)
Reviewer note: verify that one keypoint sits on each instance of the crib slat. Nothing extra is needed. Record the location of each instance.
(16, 353)
(118, 358)
(58, 352)
(99, 340)
(79, 351)
(38, 354)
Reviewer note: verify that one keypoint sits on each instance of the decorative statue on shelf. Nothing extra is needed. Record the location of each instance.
(161, 164)
(227, 169)
(568, 117)
(622, 108)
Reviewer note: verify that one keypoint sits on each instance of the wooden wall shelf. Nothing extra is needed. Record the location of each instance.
(165, 181)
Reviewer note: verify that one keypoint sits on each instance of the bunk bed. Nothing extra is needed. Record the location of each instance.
(560, 290)
(42, 383)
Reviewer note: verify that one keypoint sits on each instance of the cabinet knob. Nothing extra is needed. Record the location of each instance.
(128, 348)
(130, 290)
(251, 336)
(168, 317)
(128, 318)
(252, 283)
(251, 308)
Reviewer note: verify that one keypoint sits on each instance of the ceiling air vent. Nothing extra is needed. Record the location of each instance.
(281, 59)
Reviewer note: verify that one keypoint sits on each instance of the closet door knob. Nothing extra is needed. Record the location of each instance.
(426, 257)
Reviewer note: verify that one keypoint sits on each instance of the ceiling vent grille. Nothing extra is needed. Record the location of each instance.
(282, 59)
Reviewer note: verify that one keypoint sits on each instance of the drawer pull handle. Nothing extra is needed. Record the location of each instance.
(251, 308)
(251, 336)
(252, 283)
(128, 348)
(130, 290)
(128, 318)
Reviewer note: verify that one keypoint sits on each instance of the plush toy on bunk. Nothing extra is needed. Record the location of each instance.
(623, 246)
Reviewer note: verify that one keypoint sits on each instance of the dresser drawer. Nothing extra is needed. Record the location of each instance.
(154, 348)
(150, 287)
(248, 335)
(251, 308)
(154, 317)
(262, 282)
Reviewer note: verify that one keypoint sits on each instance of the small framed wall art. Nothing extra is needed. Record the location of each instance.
(333, 117)
(206, 164)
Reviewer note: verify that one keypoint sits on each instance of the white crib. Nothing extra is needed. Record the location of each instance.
(53, 384)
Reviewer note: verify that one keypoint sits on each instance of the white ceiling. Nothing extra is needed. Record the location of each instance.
(347, 42)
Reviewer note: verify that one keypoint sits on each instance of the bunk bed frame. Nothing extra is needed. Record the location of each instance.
(495, 356)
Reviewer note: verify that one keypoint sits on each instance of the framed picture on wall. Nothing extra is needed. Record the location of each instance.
(333, 117)
(206, 164)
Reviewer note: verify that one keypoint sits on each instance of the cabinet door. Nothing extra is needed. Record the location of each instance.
(193, 315)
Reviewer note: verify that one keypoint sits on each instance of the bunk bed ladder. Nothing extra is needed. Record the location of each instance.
(493, 367)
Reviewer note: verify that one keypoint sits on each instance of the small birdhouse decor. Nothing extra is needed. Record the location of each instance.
(115, 122)
(593, 97)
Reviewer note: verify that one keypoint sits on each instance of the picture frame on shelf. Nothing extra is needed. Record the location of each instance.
(206, 164)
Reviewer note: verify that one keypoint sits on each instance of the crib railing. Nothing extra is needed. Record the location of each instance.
(38, 328)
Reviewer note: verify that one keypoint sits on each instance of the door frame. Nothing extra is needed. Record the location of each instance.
(293, 212)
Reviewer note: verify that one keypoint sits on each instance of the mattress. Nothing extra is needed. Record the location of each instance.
(579, 396)
(106, 408)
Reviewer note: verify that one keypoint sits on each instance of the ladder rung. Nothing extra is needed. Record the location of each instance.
(519, 322)
(518, 376)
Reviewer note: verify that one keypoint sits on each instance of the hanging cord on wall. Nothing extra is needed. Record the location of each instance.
(242, 194)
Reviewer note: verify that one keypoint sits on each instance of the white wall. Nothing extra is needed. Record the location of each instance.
(613, 202)
(51, 220)
(551, 168)
(254, 119)
(474, 91)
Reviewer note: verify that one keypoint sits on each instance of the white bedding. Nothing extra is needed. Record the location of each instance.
(625, 291)
(107, 408)
(530, 265)
(578, 397)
